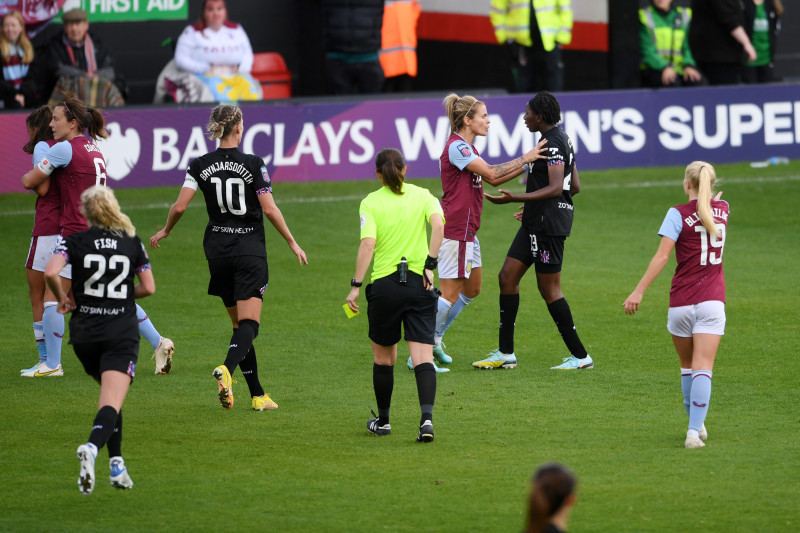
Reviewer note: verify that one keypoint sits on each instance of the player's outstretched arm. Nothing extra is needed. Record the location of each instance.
(274, 215)
(655, 267)
(175, 213)
(496, 175)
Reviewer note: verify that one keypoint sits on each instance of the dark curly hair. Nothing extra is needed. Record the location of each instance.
(545, 104)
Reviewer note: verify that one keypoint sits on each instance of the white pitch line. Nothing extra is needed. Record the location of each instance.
(347, 198)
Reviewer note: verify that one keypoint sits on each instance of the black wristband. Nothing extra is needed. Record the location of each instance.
(354, 283)
(431, 263)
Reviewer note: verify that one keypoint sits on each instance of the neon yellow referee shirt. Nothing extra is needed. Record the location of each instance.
(398, 223)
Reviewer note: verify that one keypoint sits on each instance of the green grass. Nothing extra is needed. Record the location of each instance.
(312, 466)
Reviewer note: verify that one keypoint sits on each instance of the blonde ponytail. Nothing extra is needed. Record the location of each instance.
(458, 108)
(701, 177)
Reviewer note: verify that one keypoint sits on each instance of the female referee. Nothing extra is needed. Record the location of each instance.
(237, 189)
(463, 170)
(103, 327)
(696, 317)
(546, 223)
(393, 228)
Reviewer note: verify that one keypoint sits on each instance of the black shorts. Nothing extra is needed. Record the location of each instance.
(114, 354)
(391, 303)
(545, 251)
(238, 278)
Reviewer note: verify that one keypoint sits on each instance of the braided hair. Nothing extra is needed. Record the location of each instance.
(223, 119)
(545, 104)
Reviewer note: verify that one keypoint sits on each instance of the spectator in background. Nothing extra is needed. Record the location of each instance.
(352, 38)
(718, 40)
(75, 61)
(398, 54)
(666, 58)
(534, 31)
(551, 499)
(762, 24)
(17, 53)
(218, 52)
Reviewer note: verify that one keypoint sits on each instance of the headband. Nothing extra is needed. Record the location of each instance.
(470, 108)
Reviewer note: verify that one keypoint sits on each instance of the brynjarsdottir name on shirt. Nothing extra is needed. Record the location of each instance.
(231, 166)
(228, 229)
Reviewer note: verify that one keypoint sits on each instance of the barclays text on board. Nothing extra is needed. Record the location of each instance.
(338, 141)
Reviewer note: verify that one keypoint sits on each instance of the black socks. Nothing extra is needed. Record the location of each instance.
(562, 316)
(509, 305)
(426, 389)
(383, 383)
(103, 427)
(241, 342)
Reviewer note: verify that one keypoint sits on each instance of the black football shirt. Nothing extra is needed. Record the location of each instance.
(552, 216)
(231, 181)
(103, 268)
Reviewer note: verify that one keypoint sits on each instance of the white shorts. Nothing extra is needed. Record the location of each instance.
(705, 317)
(458, 258)
(40, 251)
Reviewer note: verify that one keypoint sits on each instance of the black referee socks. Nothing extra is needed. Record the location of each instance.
(426, 389)
(383, 383)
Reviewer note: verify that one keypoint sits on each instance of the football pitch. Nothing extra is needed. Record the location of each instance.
(311, 465)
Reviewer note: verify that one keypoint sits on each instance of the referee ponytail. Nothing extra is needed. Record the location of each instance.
(391, 168)
(553, 487)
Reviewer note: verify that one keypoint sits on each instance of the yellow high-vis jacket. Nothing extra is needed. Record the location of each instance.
(511, 21)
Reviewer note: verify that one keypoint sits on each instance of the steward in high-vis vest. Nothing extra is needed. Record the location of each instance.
(398, 53)
(663, 35)
(534, 31)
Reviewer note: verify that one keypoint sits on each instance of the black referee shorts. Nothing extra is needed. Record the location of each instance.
(391, 303)
(545, 251)
(115, 354)
(238, 278)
